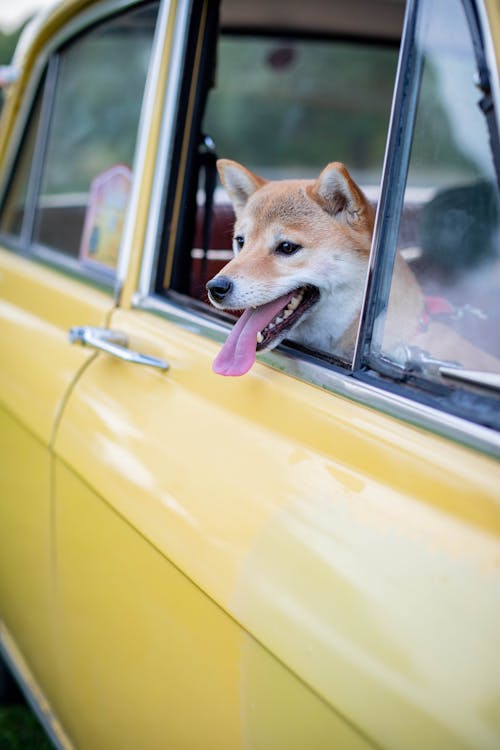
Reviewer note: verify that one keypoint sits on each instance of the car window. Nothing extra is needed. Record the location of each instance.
(11, 218)
(82, 176)
(284, 106)
(454, 250)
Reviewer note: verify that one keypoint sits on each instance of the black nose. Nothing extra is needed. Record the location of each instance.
(219, 287)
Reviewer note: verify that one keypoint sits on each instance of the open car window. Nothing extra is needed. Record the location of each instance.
(284, 105)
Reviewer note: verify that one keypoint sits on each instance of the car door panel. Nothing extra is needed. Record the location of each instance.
(37, 307)
(266, 492)
(38, 369)
(25, 552)
(205, 676)
(72, 140)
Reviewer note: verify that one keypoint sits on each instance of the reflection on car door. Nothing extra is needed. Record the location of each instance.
(212, 530)
(149, 561)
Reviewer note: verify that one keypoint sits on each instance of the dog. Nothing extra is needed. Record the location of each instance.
(301, 251)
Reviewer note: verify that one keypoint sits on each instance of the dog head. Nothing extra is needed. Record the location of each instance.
(301, 249)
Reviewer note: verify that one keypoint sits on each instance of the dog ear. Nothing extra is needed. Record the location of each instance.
(337, 193)
(239, 182)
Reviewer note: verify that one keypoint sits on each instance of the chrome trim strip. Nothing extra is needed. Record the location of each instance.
(56, 259)
(143, 139)
(165, 148)
(87, 17)
(480, 378)
(341, 384)
(40, 150)
(394, 169)
(20, 125)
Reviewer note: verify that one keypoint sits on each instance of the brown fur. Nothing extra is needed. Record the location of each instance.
(332, 221)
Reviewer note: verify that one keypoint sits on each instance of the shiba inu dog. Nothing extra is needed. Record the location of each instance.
(301, 251)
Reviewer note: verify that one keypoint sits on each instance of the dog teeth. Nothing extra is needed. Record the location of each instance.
(289, 310)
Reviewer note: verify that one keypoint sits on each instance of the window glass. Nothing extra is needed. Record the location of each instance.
(445, 295)
(11, 220)
(87, 171)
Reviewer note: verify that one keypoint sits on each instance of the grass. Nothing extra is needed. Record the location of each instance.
(20, 729)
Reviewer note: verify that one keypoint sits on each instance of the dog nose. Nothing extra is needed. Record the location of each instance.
(219, 287)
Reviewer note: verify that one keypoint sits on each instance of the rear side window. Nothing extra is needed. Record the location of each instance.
(79, 181)
(13, 212)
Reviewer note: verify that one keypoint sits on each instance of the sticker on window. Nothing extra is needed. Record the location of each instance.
(107, 204)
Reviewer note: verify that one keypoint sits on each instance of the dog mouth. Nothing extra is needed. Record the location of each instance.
(262, 327)
(301, 300)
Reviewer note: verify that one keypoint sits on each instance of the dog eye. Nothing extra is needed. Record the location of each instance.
(287, 248)
(239, 241)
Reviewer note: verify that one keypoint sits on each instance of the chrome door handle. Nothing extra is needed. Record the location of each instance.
(114, 343)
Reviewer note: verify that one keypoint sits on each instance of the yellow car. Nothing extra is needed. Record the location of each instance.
(306, 557)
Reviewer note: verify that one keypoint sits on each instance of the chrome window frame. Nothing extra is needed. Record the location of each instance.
(336, 380)
(165, 149)
(109, 279)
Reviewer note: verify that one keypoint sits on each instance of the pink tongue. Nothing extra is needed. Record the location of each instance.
(238, 353)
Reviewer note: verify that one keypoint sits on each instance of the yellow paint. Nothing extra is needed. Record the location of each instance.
(361, 552)
(25, 548)
(38, 306)
(134, 632)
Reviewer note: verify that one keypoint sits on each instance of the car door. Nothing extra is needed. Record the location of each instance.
(295, 558)
(71, 129)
